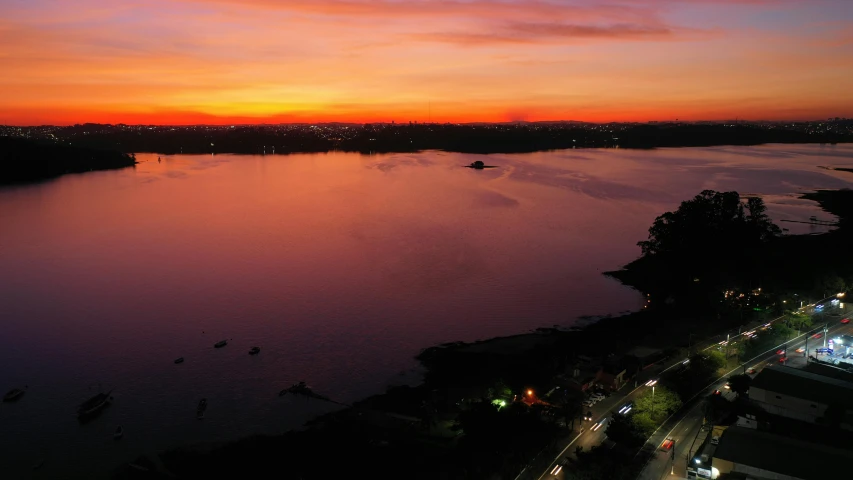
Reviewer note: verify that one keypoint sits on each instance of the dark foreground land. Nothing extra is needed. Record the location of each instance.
(24, 161)
(472, 418)
(467, 138)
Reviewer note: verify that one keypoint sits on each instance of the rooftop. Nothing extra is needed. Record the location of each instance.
(642, 351)
(801, 384)
(779, 454)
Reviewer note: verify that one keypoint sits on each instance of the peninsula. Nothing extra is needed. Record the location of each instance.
(24, 161)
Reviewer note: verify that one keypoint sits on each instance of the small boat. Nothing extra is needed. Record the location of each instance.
(136, 466)
(179, 360)
(220, 344)
(255, 350)
(13, 395)
(94, 405)
(202, 406)
(119, 432)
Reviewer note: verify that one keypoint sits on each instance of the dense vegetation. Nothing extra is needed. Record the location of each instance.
(723, 254)
(28, 161)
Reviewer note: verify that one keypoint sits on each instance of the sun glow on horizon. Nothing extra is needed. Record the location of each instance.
(267, 61)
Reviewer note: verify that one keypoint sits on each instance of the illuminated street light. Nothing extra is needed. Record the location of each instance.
(530, 393)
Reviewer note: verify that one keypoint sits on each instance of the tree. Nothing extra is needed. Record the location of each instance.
(760, 224)
(596, 464)
(829, 285)
(622, 430)
(799, 321)
(658, 404)
(570, 404)
(711, 219)
(740, 384)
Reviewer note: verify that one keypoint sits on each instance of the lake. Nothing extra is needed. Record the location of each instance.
(340, 266)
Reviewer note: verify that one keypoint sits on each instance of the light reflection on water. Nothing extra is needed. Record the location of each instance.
(340, 266)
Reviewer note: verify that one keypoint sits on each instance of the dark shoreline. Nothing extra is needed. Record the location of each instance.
(460, 138)
(450, 366)
(26, 161)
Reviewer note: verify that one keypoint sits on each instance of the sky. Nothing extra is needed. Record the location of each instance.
(276, 61)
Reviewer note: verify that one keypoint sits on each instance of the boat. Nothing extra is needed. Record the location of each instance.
(254, 350)
(119, 432)
(220, 344)
(94, 404)
(13, 395)
(202, 406)
(179, 360)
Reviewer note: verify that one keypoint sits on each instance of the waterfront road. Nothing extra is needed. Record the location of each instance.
(685, 428)
(546, 461)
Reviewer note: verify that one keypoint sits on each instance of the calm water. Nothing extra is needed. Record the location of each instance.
(340, 266)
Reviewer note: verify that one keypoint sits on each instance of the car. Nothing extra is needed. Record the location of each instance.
(626, 408)
(557, 469)
(597, 397)
(781, 351)
(597, 425)
(727, 386)
(588, 403)
(667, 444)
(817, 335)
(783, 359)
(800, 350)
(751, 371)
(717, 392)
(587, 416)
(845, 321)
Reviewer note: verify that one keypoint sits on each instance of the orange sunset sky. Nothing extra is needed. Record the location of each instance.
(254, 61)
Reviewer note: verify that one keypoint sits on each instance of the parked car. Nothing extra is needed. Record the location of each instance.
(597, 397)
(588, 403)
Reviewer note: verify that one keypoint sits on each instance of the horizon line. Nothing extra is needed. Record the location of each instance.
(415, 122)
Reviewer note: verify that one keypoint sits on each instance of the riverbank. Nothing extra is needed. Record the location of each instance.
(435, 430)
(27, 161)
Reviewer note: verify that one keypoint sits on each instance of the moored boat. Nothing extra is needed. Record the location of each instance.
(220, 344)
(93, 405)
(255, 350)
(179, 360)
(202, 406)
(13, 395)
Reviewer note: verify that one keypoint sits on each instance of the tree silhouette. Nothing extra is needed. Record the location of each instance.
(740, 384)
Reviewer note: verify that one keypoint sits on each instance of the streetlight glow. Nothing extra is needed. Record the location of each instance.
(530, 393)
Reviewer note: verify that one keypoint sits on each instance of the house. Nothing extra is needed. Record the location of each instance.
(797, 394)
(611, 377)
(747, 453)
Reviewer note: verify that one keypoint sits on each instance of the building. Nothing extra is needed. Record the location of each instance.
(646, 356)
(747, 453)
(805, 396)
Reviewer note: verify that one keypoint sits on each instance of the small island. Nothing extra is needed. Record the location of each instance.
(479, 165)
(27, 161)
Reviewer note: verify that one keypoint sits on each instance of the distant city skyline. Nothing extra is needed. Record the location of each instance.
(221, 62)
